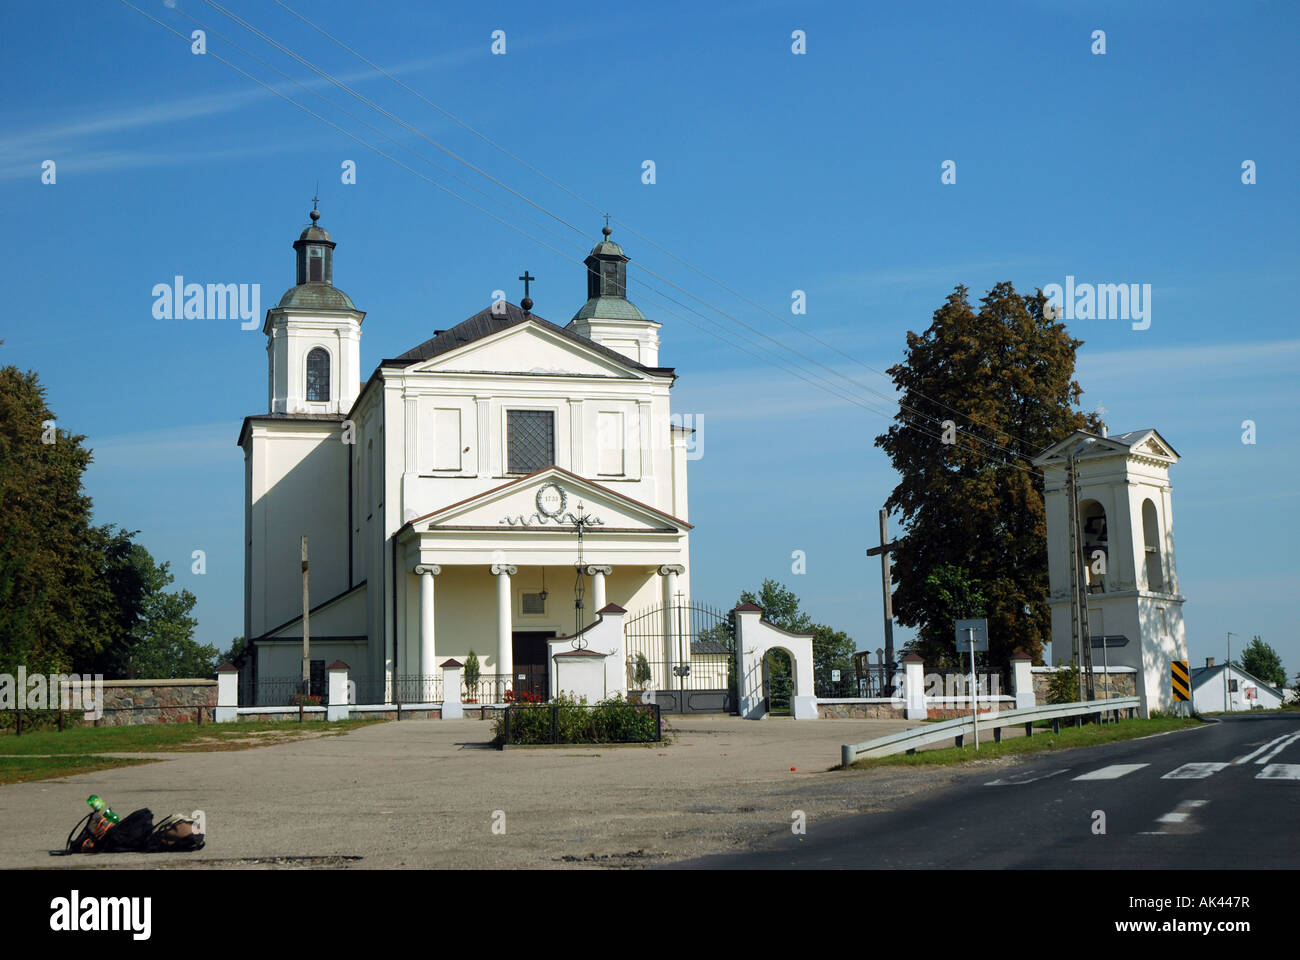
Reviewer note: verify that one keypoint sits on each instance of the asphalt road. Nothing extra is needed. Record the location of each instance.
(1224, 795)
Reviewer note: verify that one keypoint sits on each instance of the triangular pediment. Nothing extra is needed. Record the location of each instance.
(1084, 445)
(529, 348)
(549, 500)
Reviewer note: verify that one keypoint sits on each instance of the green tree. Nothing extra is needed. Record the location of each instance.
(832, 649)
(1004, 376)
(53, 604)
(1262, 662)
(951, 594)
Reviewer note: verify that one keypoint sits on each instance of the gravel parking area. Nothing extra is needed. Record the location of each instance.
(426, 793)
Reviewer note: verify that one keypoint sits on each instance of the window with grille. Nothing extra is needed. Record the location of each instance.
(530, 440)
(318, 375)
(533, 603)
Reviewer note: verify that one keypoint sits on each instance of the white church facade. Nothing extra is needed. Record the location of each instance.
(467, 494)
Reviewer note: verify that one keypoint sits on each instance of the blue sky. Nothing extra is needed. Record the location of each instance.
(774, 172)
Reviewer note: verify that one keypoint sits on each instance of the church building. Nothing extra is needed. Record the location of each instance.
(488, 490)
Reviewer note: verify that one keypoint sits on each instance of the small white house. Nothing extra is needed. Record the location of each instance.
(1212, 684)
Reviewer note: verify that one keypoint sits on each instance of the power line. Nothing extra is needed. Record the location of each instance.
(532, 168)
(833, 390)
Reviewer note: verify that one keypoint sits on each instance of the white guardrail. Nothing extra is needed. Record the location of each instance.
(926, 734)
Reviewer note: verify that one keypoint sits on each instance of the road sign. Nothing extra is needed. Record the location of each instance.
(977, 639)
(835, 676)
(1180, 678)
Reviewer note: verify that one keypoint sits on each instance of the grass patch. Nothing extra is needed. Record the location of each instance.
(22, 769)
(173, 737)
(1086, 736)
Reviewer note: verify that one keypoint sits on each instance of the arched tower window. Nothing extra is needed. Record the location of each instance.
(1151, 539)
(1095, 542)
(318, 375)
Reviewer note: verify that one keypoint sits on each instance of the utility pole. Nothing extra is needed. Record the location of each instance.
(1080, 631)
(306, 627)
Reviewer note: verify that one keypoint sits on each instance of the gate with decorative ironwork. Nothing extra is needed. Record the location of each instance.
(682, 656)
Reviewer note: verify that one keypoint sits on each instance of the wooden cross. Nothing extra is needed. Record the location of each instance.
(883, 551)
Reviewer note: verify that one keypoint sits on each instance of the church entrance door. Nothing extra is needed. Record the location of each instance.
(530, 662)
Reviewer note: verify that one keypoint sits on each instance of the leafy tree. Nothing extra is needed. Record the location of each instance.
(1262, 662)
(950, 594)
(1004, 376)
(51, 599)
(832, 649)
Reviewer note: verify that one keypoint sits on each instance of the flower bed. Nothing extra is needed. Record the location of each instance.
(564, 720)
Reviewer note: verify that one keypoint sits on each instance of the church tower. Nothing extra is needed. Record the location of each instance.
(608, 317)
(313, 335)
(1125, 555)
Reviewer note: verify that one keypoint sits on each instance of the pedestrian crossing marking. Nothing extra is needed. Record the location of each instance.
(1180, 680)
(1280, 771)
(1194, 771)
(1182, 812)
(1113, 772)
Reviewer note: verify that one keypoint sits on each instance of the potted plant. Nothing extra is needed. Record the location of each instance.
(641, 672)
(471, 677)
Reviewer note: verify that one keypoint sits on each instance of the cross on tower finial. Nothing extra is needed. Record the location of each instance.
(605, 230)
(526, 302)
(315, 201)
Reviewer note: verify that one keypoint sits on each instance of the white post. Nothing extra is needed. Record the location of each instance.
(505, 642)
(227, 694)
(669, 573)
(451, 707)
(1022, 681)
(426, 572)
(914, 687)
(339, 708)
(597, 574)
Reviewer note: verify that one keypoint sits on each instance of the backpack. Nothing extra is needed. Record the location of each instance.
(138, 834)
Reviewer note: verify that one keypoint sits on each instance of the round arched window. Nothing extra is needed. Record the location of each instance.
(318, 375)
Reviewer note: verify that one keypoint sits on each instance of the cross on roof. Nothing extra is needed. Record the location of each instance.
(527, 301)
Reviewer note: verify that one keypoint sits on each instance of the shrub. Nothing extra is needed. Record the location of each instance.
(1063, 684)
(613, 720)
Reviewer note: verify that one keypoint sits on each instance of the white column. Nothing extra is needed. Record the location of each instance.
(426, 572)
(505, 643)
(669, 572)
(598, 574)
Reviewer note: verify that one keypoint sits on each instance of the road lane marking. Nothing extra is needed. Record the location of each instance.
(1113, 772)
(1280, 771)
(1279, 748)
(1194, 771)
(1182, 812)
(1255, 753)
(1017, 779)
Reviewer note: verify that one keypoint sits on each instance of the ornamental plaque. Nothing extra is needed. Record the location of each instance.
(551, 500)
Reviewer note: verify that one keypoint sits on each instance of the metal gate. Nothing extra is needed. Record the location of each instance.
(682, 655)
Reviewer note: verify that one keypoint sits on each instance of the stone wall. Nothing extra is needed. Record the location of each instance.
(859, 710)
(1107, 685)
(128, 702)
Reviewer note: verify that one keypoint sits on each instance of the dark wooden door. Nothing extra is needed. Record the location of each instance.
(530, 653)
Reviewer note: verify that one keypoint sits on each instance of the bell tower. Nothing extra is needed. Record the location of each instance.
(313, 335)
(1124, 556)
(608, 317)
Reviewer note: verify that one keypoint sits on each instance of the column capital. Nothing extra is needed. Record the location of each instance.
(507, 568)
(668, 568)
(432, 569)
(596, 568)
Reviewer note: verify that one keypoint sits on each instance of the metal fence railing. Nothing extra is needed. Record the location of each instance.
(908, 741)
(487, 689)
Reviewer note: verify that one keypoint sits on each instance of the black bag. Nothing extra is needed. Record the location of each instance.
(138, 834)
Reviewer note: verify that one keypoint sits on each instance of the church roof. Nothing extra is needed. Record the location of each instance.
(493, 320)
(609, 308)
(317, 295)
(1081, 443)
(315, 233)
